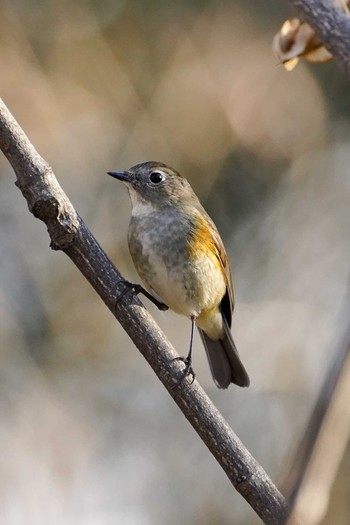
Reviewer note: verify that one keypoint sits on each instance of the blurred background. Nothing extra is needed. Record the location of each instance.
(87, 433)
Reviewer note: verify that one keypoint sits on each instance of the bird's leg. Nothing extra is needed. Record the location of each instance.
(188, 359)
(140, 289)
(136, 289)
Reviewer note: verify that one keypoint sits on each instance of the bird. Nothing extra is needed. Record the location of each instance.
(180, 257)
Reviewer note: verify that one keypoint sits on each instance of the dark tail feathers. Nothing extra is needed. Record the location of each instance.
(225, 364)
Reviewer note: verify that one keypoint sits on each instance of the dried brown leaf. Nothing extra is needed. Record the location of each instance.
(297, 39)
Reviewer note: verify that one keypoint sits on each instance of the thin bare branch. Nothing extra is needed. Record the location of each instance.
(331, 25)
(324, 444)
(47, 201)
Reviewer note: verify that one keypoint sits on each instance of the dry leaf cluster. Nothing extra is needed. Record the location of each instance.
(297, 39)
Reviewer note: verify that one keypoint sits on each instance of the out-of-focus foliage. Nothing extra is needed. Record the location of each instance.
(88, 436)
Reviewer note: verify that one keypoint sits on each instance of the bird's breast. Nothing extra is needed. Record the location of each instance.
(188, 280)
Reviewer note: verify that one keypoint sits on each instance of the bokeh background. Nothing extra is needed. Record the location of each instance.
(87, 433)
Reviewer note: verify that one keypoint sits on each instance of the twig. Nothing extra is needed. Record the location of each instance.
(47, 201)
(324, 444)
(331, 26)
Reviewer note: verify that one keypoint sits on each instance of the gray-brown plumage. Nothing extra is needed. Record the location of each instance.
(180, 257)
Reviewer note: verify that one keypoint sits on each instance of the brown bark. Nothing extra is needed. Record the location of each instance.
(47, 201)
(331, 26)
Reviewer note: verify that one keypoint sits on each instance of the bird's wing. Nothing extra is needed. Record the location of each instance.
(228, 302)
(214, 245)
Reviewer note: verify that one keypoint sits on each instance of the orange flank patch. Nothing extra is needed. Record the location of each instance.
(203, 242)
(207, 240)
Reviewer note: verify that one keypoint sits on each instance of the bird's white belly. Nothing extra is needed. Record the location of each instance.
(188, 288)
(166, 266)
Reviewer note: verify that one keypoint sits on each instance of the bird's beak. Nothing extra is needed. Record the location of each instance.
(120, 175)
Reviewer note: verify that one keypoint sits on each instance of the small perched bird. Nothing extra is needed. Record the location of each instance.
(181, 259)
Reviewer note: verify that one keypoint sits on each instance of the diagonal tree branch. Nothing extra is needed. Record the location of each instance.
(47, 201)
(331, 25)
(322, 447)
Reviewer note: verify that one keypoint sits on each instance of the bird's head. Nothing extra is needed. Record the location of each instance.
(155, 183)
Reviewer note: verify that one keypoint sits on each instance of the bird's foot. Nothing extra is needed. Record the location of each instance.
(129, 288)
(188, 370)
(136, 289)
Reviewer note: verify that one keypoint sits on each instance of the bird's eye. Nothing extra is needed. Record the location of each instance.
(156, 177)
